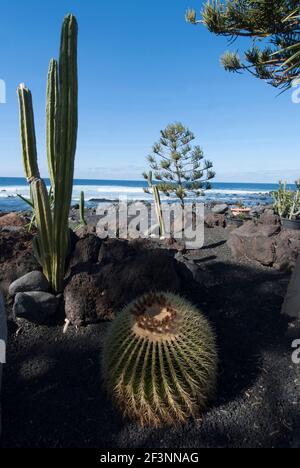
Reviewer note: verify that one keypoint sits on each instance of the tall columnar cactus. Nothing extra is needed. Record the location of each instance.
(52, 210)
(160, 360)
(82, 209)
(157, 201)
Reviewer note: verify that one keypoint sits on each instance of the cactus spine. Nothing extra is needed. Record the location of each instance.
(160, 360)
(61, 135)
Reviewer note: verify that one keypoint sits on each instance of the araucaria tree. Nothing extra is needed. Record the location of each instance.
(180, 169)
(273, 27)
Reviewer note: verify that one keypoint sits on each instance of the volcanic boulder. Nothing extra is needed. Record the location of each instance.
(97, 290)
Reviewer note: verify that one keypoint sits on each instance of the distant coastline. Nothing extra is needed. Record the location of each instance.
(97, 191)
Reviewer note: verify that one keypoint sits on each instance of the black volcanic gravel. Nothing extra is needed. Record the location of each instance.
(52, 395)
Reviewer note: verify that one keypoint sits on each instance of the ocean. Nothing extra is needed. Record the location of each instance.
(97, 191)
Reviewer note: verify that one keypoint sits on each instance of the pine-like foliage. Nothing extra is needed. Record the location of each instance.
(160, 360)
(273, 26)
(179, 168)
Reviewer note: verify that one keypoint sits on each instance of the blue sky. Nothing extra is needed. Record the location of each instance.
(141, 67)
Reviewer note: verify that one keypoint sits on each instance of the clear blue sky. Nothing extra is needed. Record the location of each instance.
(141, 67)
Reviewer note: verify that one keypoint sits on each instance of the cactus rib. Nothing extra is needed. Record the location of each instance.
(28, 137)
(52, 210)
(67, 136)
(52, 119)
(160, 360)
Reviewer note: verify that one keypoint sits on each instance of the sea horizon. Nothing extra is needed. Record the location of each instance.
(100, 190)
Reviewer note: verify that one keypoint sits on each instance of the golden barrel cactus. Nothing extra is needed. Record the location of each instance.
(160, 360)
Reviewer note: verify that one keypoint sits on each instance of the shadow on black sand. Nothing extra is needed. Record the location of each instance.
(52, 394)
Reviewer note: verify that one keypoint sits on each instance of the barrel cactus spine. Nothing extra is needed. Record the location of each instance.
(160, 360)
(52, 210)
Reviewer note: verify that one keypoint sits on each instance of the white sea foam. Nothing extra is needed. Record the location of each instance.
(90, 191)
(93, 192)
(113, 192)
(238, 192)
(114, 189)
(6, 192)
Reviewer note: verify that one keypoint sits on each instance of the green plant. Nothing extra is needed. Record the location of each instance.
(52, 210)
(241, 216)
(82, 220)
(82, 209)
(31, 223)
(287, 202)
(180, 169)
(160, 360)
(29, 202)
(157, 201)
(26, 200)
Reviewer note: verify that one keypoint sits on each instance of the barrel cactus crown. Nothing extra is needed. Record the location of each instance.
(160, 360)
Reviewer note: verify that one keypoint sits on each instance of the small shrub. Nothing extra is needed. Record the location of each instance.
(287, 202)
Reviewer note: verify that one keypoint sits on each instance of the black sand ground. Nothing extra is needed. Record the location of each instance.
(52, 395)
